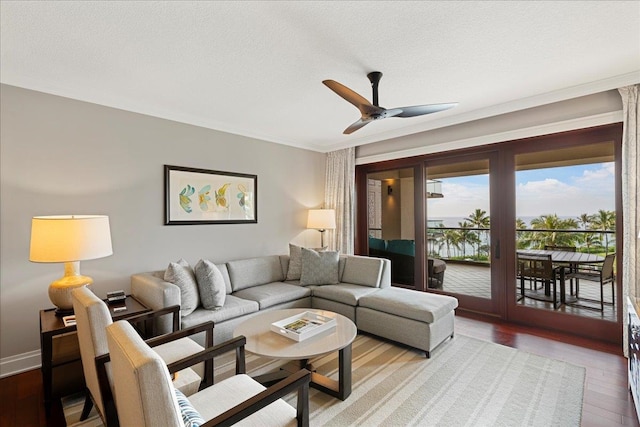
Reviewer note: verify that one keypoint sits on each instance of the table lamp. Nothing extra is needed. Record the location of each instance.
(69, 239)
(322, 220)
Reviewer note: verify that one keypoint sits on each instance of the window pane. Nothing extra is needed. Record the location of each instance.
(457, 229)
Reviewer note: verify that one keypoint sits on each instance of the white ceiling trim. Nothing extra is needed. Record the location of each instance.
(563, 126)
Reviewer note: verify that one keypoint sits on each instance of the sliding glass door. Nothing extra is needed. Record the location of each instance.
(565, 202)
(459, 257)
(457, 222)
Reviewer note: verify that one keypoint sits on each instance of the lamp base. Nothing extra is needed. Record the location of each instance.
(60, 290)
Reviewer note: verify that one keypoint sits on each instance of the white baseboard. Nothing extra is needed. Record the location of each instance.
(19, 363)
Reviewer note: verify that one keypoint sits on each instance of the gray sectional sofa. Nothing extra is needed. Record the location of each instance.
(362, 293)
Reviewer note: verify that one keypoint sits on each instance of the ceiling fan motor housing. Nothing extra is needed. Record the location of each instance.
(374, 78)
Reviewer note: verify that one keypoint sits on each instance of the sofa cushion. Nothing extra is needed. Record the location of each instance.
(361, 270)
(211, 284)
(273, 294)
(233, 307)
(345, 293)
(320, 268)
(421, 306)
(246, 273)
(180, 274)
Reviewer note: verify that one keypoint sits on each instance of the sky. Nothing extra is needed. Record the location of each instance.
(566, 191)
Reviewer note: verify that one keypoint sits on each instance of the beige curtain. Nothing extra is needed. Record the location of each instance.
(339, 194)
(630, 201)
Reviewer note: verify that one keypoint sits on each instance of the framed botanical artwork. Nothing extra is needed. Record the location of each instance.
(201, 196)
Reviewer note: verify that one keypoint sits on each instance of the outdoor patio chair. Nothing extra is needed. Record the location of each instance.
(145, 395)
(603, 275)
(538, 269)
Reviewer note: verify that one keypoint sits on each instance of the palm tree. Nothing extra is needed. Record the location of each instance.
(522, 237)
(465, 235)
(584, 220)
(450, 239)
(479, 219)
(586, 239)
(604, 221)
(549, 236)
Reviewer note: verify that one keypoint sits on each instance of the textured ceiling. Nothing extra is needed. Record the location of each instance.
(255, 68)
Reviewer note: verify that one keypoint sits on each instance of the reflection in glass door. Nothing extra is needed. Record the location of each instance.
(458, 230)
(391, 219)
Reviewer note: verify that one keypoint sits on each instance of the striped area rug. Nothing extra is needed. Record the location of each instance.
(467, 382)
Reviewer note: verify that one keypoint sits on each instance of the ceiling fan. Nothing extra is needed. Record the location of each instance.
(371, 112)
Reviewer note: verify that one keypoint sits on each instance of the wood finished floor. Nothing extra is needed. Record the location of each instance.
(607, 401)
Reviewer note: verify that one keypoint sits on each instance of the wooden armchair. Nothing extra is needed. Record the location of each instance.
(145, 395)
(92, 319)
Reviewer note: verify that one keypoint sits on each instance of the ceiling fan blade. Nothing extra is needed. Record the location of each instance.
(357, 125)
(350, 96)
(419, 110)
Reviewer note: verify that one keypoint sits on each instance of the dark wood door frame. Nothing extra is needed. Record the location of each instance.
(504, 182)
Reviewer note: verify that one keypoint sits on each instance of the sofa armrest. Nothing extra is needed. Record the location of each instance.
(155, 293)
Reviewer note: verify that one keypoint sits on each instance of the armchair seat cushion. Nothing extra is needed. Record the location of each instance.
(179, 349)
(232, 391)
(273, 294)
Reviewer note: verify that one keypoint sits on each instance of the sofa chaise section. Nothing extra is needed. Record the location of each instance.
(418, 319)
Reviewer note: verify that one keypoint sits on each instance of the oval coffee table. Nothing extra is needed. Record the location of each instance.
(262, 341)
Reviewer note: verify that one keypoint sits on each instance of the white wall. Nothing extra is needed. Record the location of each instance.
(61, 156)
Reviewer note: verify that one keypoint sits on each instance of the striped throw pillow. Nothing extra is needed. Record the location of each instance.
(190, 416)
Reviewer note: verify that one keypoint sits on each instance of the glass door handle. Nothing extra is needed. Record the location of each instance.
(497, 251)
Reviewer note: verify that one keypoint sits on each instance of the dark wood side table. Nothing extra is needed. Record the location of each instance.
(60, 353)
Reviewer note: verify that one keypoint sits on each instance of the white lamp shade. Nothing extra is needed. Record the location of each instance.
(69, 238)
(322, 219)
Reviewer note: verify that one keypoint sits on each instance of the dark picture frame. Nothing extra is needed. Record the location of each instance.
(202, 196)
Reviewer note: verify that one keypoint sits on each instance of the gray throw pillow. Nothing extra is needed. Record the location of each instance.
(210, 284)
(295, 261)
(180, 274)
(319, 268)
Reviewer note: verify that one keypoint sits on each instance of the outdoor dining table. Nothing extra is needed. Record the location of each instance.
(564, 257)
